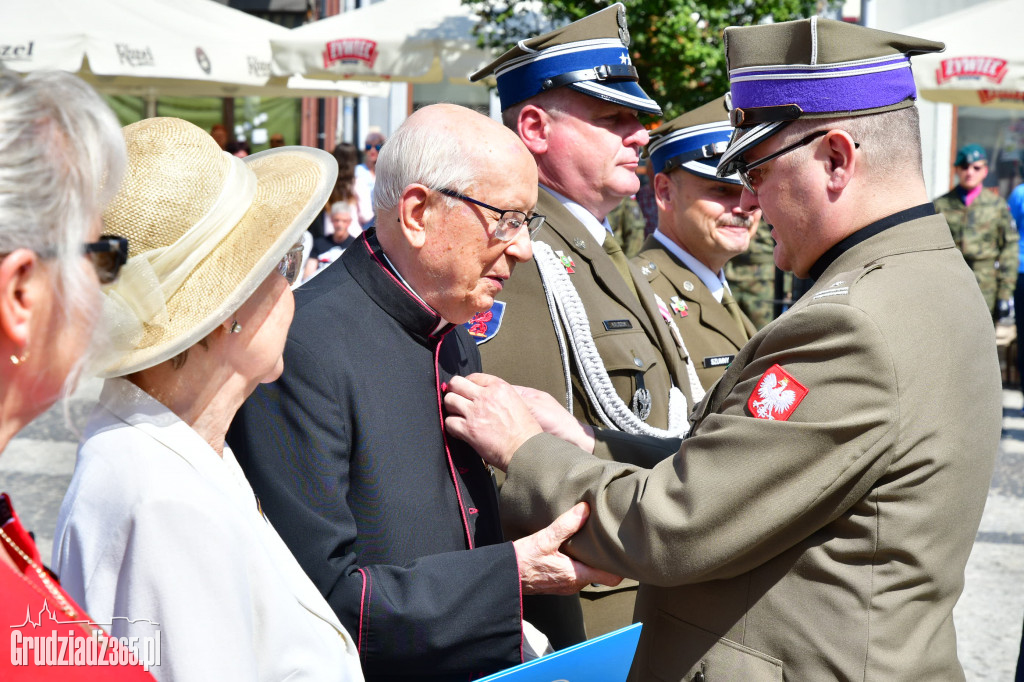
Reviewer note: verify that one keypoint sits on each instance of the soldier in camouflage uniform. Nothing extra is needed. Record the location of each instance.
(627, 223)
(751, 276)
(983, 229)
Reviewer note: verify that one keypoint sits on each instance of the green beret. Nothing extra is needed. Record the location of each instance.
(970, 153)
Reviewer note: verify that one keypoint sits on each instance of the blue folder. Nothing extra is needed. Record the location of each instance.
(603, 659)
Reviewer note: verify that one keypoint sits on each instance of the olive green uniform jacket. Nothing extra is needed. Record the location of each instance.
(635, 345)
(987, 236)
(631, 336)
(830, 545)
(710, 333)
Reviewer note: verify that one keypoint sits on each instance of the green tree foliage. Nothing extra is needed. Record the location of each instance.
(676, 45)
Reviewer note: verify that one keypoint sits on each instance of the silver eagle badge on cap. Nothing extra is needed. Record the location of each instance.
(620, 17)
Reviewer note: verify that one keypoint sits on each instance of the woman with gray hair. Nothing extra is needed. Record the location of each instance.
(61, 156)
(160, 533)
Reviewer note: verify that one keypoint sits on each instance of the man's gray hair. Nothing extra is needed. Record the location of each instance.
(437, 157)
(62, 155)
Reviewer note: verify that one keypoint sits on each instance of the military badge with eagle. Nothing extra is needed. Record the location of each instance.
(776, 395)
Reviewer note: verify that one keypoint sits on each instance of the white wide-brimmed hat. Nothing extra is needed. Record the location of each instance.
(204, 230)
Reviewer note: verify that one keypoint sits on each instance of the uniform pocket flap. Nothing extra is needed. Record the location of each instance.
(679, 650)
(626, 351)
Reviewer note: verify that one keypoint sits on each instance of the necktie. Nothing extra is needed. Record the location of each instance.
(614, 251)
(734, 310)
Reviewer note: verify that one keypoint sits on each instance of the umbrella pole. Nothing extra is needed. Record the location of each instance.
(151, 104)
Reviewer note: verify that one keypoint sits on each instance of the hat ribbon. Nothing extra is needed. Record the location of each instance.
(149, 279)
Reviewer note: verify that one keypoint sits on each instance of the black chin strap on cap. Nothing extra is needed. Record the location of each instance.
(752, 116)
(603, 73)
(708, 151)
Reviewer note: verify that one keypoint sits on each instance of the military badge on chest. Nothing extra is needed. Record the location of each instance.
(567, 263)
(679, 306)
(776, 395)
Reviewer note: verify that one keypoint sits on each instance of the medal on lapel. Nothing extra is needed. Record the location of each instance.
(567, 262)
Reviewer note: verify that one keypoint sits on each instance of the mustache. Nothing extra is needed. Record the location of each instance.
(736, 221)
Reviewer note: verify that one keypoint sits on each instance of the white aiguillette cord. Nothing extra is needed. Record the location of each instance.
(564, 305)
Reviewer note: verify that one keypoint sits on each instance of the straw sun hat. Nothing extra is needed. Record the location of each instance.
(204, 230)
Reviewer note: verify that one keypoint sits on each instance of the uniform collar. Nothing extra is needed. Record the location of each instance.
(597, 229)
(714, 282)
(865, 233)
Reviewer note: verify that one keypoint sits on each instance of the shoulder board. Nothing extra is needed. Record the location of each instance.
(842, 283)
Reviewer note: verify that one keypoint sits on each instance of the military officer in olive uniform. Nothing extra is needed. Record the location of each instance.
(701, 225)
(579, 323)
(815, 523)
(983, 229)
(628, 224)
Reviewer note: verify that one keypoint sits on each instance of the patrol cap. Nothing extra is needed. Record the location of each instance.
(590, 56)
(813, 68)
(970, 153)
(694, 141)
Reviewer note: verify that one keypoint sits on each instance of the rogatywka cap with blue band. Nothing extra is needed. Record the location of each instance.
(590, 56)
(693, 142)
(813, 68)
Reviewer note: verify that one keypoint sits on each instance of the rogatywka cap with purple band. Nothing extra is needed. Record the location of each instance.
(813, 68)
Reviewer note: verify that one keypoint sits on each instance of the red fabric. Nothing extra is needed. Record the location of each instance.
(25, 599)
(776, 395)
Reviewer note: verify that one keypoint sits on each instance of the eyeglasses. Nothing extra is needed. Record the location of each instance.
(509, 221)
(373, 146)
(107, 255)
(291, 265)
(977, 167)
(751, 182)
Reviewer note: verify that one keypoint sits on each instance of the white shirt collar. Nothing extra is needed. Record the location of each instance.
(441, 325)
(715, 283)
(597, 228)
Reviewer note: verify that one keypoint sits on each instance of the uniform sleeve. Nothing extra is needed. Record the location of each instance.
(644, 451)
(1008, 254)
(456, 613)
(742, 489)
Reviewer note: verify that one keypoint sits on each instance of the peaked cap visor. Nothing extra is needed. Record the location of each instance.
(693, 142)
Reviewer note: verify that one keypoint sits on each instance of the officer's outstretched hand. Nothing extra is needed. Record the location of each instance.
(555, 419)
(487, 413)
(544, 569)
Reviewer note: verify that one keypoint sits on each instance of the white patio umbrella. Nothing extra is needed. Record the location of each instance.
(153, 47)
(415, 41)
(983, 64)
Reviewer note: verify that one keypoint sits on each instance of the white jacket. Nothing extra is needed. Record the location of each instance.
(157, 528)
